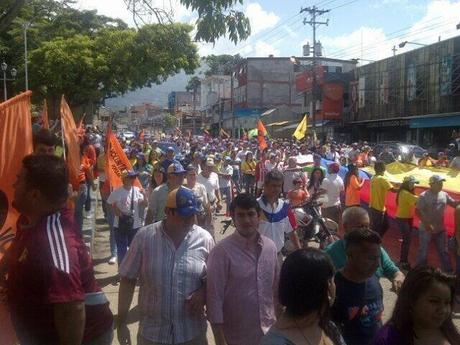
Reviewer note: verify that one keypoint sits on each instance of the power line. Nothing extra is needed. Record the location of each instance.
(391, 36)
(266, 34)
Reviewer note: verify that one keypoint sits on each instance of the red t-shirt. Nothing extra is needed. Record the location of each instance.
(50, 264)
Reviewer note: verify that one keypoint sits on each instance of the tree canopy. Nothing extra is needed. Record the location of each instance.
(193, 84)
(215, 18)
(89, 57)
(222, 64)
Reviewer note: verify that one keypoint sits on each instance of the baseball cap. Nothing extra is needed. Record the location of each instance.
(228, 158)
(190, 168)
(129, 173)
(184, 201)
(411, 179)
(335, 167)
(436, 178)
(175, 168)
(170, 148)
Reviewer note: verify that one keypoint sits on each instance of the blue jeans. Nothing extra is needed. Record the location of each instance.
(110, 217)
(123, 240)
(88, 197)
(79, 206)
(405, 226)
(440, 241)
(227, 192)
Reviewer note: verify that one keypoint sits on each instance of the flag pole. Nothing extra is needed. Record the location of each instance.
(63, 141)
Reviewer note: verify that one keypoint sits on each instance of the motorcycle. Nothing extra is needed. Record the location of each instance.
(312, 226)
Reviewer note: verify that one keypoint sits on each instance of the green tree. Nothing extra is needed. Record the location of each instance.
(193, 84)
(169, 121)
(222, 64)
(216, 18)
(89, 68)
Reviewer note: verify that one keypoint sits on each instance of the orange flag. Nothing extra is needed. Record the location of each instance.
(44, 116)
(71, 140)
(81, 127)
(15, 143)
(116, 162)
(261, 133)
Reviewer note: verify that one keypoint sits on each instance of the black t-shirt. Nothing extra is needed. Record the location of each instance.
(358, 309)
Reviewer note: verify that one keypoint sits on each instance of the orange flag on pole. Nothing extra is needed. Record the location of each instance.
(261, 133)
(116, 162)
(70, 135)
(15, 143)
(44, 116)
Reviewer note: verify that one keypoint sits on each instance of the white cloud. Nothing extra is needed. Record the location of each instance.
(259, 18)
(264, 49)
(440, 19)
(118, 9)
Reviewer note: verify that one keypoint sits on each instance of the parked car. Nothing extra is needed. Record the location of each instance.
(400, 149)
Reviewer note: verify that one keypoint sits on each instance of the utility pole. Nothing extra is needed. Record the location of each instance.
(314, 12)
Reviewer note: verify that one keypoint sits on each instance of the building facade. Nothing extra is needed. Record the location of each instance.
(412, 97)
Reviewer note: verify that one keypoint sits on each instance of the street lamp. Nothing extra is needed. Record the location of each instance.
(402, 44)
(14, 72)
(25, 26)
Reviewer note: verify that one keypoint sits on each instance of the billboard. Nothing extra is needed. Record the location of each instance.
(445, 76)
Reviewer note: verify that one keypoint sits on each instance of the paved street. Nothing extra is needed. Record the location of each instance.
(107, 274)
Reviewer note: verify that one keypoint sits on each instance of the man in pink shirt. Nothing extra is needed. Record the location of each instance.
(242, 279)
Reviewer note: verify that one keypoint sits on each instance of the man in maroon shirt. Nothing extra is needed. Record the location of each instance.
(52, 294)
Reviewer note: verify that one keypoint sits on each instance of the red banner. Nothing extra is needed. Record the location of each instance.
(304, 80)
(332, 107)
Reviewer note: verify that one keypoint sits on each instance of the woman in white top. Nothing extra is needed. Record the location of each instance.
(126, 202)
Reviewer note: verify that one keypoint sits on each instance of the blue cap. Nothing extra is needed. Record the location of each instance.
(184, 201)
(175, 168)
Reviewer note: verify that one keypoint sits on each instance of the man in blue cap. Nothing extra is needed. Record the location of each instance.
(170, 158)
(169, 259)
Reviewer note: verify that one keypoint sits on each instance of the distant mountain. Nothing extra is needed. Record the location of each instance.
(157, 94)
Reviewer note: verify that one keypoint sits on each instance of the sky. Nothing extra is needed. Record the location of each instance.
(364, 29)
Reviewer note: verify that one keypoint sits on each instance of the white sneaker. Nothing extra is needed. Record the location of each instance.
(113, 260)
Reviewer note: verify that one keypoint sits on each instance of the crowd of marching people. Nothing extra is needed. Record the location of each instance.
(248, 286)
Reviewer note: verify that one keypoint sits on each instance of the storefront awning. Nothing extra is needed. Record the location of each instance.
(428, 122)
(294, 126)
(277, 123)
(268, 112)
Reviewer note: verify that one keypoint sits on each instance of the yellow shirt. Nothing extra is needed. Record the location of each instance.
(248, 167)
(406, 204)
(379, 187)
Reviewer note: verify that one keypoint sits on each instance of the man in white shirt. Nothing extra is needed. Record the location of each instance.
(225, 181)
(125, 202)
(333, 186)
(210, 180)
(276, 218)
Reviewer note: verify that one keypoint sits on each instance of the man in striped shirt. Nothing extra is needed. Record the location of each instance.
(169, 258)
